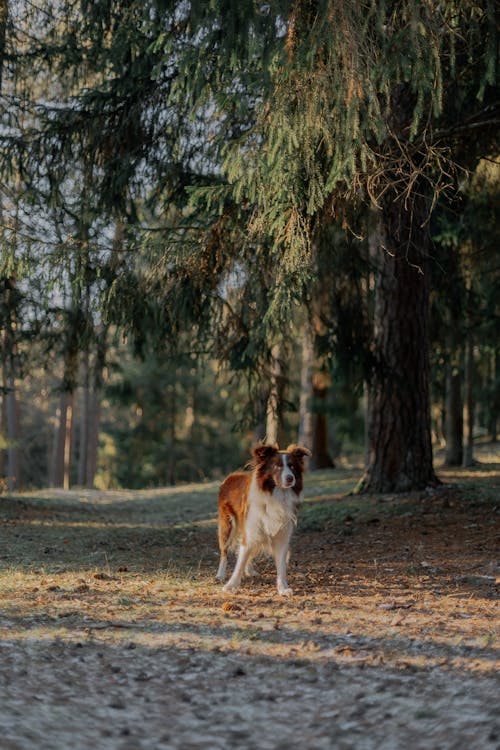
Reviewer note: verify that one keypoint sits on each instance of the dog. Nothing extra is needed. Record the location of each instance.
(258, 510)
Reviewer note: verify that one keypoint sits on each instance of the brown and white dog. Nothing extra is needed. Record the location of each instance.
(258, 509)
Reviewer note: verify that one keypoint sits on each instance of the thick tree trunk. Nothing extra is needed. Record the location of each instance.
(400, 449)
(453, 413)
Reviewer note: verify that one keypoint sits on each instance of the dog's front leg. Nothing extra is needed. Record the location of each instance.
(241, 563)
(280, 552)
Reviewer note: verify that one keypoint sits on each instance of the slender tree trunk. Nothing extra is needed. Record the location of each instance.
(400, 423)
(469, 406)
(453, 412)
(10, 397)
(14, 481)
(495, 379)
(94, 408)
(84, 432)
(68, 441)
(306, 388)
(259, 429)
(93, 438)
(320, 458)
(366, 416)
(274, 416)
(56, 478)
(173, 436)
(61, 454)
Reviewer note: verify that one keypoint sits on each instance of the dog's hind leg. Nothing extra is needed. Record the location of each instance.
(250, 569)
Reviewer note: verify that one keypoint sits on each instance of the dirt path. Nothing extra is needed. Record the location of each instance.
(114, 635)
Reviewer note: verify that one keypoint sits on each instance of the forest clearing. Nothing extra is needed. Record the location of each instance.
(114, 633)
(227, 227)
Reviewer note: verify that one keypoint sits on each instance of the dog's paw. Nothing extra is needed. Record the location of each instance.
(282, 591)
(230, 586)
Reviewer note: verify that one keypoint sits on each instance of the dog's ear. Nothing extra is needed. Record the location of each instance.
(298, 451)
(263, 453)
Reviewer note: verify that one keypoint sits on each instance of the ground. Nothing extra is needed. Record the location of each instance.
(114, 633)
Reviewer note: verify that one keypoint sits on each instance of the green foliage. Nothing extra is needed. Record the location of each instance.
(170, 420)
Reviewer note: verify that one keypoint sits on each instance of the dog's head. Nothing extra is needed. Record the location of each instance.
(281, 469)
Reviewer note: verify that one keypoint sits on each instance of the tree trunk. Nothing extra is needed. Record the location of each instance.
(13, 437)
(469, 406)
(453, 413)
(306, 389)
(320, 458)
(93, 436)
(366, 422)
(173, 436)
(84, 433)
(94, 408)
(274, 417)
(61, 453)
(10, 399)
(400, 448)
(56, 478)
(259, 429)
(493, 415)
(68, 440)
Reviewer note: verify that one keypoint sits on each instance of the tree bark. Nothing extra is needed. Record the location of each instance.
(320, 458)
(493, 416)
(63, 433)
(453, 412)
(469, 405)
(68, 440)
(274, 416)
(306, 389)
(10, 398)
(13, 421)
(84, 432)
(56, 478)
(400, 448)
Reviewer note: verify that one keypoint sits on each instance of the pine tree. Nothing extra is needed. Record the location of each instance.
(296, 109)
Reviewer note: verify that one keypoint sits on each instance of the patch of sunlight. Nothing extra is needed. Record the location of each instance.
(114, 524)
(106, 497)
(253, 642)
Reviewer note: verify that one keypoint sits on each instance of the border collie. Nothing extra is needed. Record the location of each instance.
(258, 510)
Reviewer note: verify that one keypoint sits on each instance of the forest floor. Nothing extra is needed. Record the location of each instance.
(114, 634)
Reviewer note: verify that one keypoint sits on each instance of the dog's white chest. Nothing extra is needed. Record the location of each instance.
(269, 513)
